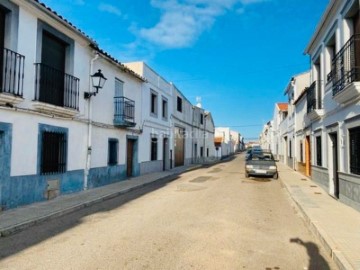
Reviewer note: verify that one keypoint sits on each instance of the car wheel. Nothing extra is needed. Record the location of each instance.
(276, 176)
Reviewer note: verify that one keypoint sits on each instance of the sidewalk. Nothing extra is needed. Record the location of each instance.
(336, 225)
(18, 219)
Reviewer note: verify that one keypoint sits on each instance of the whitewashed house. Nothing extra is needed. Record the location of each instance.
(182, 127)
(227, 144)
(333, 101)
(202, 135)
(56, 137)
(265, 137)
(293, 90)
(279, 128)
(157, 107)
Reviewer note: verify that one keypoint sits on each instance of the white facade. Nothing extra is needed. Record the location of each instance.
(326, 110)
(279, 128)
(157, 105)
(59, 134)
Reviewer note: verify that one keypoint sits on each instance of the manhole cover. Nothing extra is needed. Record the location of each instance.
(200, 179)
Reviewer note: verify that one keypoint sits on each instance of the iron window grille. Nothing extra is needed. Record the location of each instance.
(154, 142)
(53, 155)
(113, 152)
(354, 135)
(318, 151)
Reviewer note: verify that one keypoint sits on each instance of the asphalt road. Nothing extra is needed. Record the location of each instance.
(211, 218)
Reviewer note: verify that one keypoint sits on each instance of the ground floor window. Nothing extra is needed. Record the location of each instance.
(154, 143)
(354, 136)
(318, 151)
(53, 154)
(201, 151)
(301, 152)
(113, 146)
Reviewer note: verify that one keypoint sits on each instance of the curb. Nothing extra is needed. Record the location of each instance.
(22, 226)
(327, 243)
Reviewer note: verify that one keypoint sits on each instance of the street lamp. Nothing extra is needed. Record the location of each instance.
(98, 80)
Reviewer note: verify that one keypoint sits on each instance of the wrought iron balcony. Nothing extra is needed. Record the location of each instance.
(55, 87)
(346, 65)
(124, 112)
(11, 72)
(314, 101)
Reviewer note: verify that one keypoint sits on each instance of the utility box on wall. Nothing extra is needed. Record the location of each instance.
(52, 189)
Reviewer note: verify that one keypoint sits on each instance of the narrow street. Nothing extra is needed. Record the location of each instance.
(211, 218)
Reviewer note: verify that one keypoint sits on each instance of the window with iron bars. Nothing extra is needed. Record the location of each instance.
(113, 152)
(318, 151)
(354, 135)
(53, 155)
(154, 143)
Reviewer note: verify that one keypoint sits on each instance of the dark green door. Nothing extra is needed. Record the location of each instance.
(52, 70)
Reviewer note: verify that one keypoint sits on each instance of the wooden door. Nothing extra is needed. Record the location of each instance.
(130, 158)
(53, 55)
(2, 40)
(179, 147)
(307, 156)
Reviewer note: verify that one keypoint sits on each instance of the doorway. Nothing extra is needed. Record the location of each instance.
(165, 153)
(179, 146)
(307, 156)
(335, 164)
(53, 55)
(130, 150)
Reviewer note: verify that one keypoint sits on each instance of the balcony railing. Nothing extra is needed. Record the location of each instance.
(311, 99)
(345, 70)
(56, 87)
(124, 112)
(11, 72)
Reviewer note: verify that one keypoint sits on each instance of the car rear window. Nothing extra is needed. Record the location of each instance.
(262, 156)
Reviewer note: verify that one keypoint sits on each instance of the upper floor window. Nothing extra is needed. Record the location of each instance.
(164, 108)
(179, 104)
(153, 102)
(55, 58)
(354, 150)
(201, 119)
(119, 88)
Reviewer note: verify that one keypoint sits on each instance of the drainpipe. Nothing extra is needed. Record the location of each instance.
(88, 153)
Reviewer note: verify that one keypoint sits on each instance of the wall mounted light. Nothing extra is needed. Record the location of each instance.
(98, 81)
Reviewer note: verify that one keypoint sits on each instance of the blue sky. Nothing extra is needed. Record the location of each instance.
(237, 55)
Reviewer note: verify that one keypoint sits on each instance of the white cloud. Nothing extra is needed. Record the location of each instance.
(110, 9)
(183, 21)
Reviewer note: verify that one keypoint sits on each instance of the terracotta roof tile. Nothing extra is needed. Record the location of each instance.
(283, 106)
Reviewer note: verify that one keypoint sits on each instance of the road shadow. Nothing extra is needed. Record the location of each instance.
(316, 260)
(13, 244)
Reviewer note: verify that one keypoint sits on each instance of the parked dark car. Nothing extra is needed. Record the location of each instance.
(261, 163)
